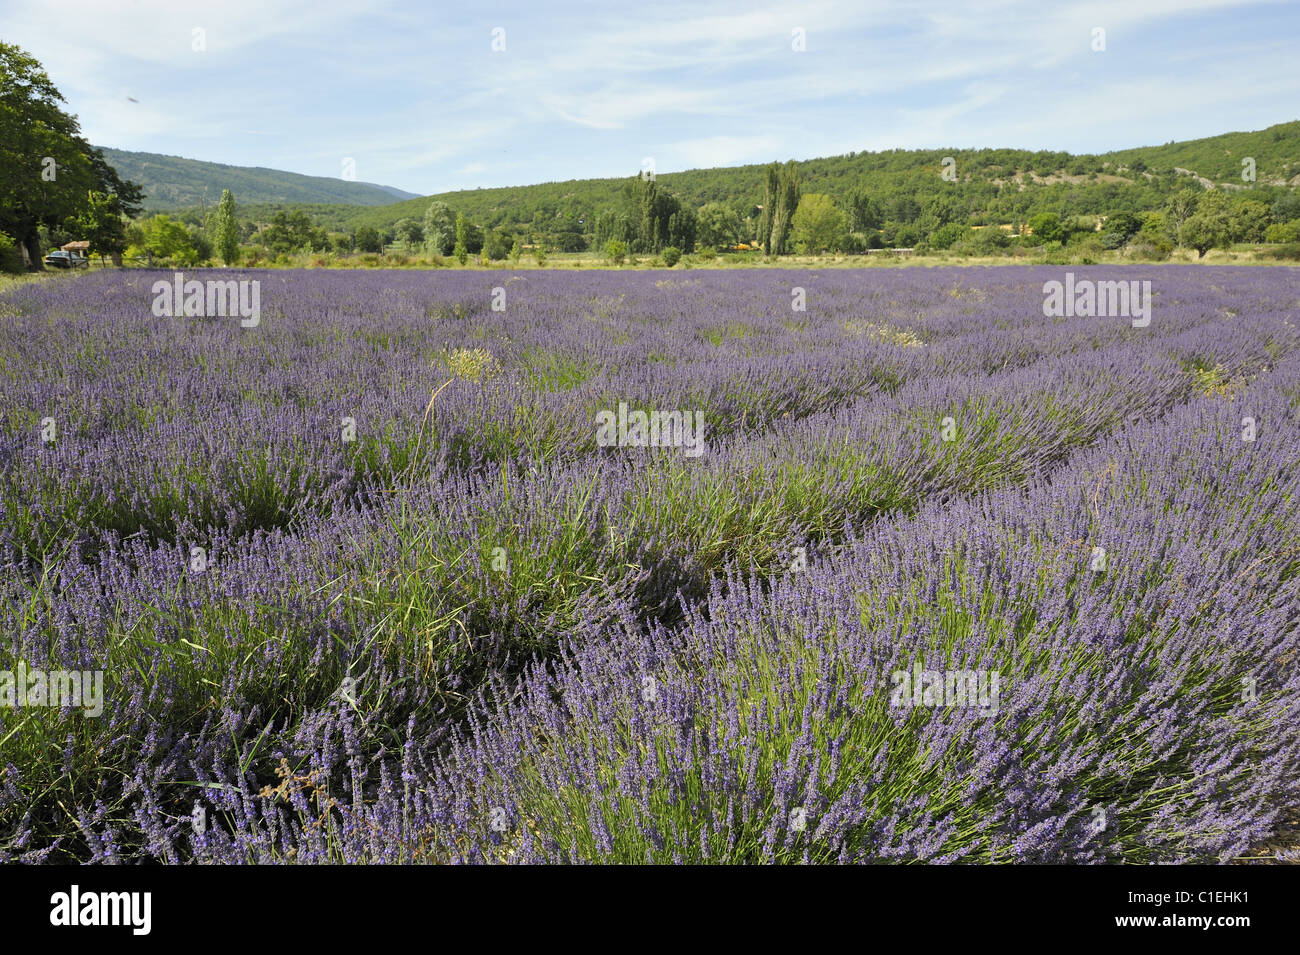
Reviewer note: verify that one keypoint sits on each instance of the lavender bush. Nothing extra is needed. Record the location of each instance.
(435, 619)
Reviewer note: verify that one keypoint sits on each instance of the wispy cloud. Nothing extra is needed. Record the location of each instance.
(424, 102)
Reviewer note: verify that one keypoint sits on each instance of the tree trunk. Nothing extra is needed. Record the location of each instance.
(32, 243)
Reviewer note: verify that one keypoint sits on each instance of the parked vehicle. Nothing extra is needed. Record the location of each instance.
(66, 260)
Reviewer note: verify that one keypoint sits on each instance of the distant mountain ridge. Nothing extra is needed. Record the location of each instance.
(173, 182)
(1003, 185)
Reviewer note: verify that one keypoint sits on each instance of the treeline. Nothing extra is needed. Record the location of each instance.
(973, 201)
(648, 219)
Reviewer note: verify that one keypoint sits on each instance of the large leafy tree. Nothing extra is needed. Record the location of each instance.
(292, 231)
(50, 172)
(647, 219)
(439, 228)
(100, 223)
(718, 226)
(817, 224)
(1207, 227)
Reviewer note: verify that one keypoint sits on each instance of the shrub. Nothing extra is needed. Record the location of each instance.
(1290, 251)
(1283, 232)
(671, 255)
(11, 260)
(616, 251)
(1146, 247)
(946, 235)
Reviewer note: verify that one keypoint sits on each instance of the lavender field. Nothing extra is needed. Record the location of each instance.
(941, 579)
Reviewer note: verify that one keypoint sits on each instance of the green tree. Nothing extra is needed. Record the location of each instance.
(46, 172)
(410, 232)
(780, 200)
(289, 232)
(494, 246)
(1248, 220)
(1118, 229)
(817, 224)
(1046, 227)
(946, 235)
(864, 212)
(160, 236)
(616, 251)
(226, 228)
(201, 245)
(1179, 208)
(439, 228)
(100, 223)
(461, 249)
(1204, 230)
(367, 239)
(671, 255)
(718, 226)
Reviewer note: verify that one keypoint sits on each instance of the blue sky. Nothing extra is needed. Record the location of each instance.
(415, 94)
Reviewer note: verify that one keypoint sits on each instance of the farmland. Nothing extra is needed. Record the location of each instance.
(364, 583)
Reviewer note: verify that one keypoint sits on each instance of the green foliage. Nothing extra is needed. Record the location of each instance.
(1219, 158)
(1118, 229)
(439, 228)
(892, 198)
(226, 228)
(410, 232)
(817, 225)
(51, 175)
(368, 240)
(718, 226)
(946, 235)
(461, 248)
(616, 251)
(646, 219)
(1046, 227)
(293, 232)
(167, 240)
(780, 200)
(100, 223)
(1206, 228)
(671, 255)
(1248, 220)
(1289, 252)
(1283, 232)
(11, 260)
(494, 245)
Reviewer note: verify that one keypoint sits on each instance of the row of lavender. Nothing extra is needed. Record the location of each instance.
(1142, 710)
(410, 600)
(117, 420)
